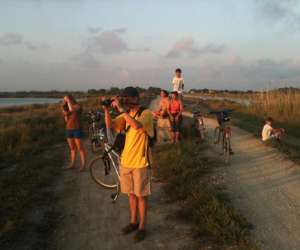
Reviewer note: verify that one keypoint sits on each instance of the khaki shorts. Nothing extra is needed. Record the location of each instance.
(135, 181)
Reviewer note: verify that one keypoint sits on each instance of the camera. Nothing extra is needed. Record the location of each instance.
(106, 102)
(65, 107)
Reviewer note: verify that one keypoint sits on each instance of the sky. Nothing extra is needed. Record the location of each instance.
(85, 44)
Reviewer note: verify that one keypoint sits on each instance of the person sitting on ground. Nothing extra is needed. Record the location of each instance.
(71, 111)
(135, 163)
(268, 132)
(178, 82)
(164, 102)
(163, 123)
(175, 113)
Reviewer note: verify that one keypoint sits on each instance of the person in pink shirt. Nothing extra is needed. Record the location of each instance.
(175, 112)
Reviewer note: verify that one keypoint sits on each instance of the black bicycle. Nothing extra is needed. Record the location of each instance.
(223, 132)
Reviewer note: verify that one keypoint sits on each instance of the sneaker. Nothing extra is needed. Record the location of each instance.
(140, 236)
(130, 228)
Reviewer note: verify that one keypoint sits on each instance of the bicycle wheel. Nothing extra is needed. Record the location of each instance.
(217, 134)
(226, 149)
(103, 172)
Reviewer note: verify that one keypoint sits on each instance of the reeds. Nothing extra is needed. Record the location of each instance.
(284, 106)
(29, 130)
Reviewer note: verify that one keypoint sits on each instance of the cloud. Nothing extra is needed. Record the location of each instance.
(94, 30)
(187, 47)
(107, 42)
(280, 11)
(120, 30)
(16, 39)
(11, 39)
(35, 46)
(86, 59)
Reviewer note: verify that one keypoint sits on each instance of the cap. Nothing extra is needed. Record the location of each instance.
(130, 92)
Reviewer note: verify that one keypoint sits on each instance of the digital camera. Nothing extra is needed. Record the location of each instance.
(106, 102)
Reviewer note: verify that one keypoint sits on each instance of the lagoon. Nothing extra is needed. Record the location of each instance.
(8, 102)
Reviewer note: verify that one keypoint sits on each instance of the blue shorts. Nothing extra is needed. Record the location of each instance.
(74, 133)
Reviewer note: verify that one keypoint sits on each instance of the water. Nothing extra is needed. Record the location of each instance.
(8, 102)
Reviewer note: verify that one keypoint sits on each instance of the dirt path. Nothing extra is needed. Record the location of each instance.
(93, 222)
(265, 186)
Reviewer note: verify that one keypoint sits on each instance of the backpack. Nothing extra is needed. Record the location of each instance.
(119, 142)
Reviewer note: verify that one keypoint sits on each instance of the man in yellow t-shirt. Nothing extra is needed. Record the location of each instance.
(136, 156)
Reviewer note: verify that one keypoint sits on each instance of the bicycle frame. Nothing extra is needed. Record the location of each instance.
(110, 152)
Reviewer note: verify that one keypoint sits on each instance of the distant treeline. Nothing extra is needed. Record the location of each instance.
(217, 91)
(81, 94)
(116, 91)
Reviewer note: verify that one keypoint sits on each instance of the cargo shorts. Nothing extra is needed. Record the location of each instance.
(135, 181)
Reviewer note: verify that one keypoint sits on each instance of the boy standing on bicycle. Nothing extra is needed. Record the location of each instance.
(136, 156)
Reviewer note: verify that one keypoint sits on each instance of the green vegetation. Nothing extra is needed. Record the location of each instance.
(31, 162)
(187, 173)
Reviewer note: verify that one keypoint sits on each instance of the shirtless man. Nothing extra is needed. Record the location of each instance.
(162, 112)
(162, 116)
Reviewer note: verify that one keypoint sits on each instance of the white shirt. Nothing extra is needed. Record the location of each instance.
(266, 132)
(178, 84)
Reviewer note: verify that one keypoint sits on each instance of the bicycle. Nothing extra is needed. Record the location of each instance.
(199, 125)
(95, 131)
(104, 169)
(223, 130)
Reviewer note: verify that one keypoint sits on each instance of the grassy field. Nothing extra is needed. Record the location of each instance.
(31, 160)
(203, 200)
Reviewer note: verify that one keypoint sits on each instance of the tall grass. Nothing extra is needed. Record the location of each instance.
(28, 130)
(283, 106)
(29, 166)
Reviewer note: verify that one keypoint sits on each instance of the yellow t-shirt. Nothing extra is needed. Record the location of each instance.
(136, 152)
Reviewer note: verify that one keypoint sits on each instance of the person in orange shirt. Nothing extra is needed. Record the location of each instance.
(175, 114)
(136, 158)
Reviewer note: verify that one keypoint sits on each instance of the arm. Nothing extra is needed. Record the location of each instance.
(65, 116)
(72, 107)
(129, 120)
(108, 120)
(180, 109)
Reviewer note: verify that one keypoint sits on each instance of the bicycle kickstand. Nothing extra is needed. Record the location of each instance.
(115, 195)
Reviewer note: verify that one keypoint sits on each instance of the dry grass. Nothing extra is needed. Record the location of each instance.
(283, 106)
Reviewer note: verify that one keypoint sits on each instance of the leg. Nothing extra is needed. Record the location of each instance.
(177, 135)
(126, 181)
(142, 188)
(177, 128)
(133, 208)
(81, 152)
(173, 128)
(72, 147)
(142, 204)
